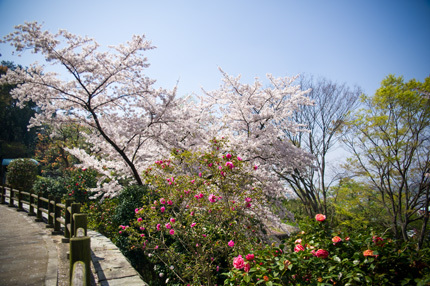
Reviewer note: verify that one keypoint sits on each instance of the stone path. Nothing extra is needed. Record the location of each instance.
(28, 256)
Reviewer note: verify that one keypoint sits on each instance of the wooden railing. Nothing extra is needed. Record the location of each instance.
(74, 222)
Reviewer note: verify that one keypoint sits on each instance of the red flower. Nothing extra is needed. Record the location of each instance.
(336, 239)
(238, 262)
(247, 267)
(320, 217)
(368, 252)
(250, 257)
(298, 248)
(321, 253)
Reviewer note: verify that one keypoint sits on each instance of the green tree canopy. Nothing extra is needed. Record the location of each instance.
(390, 142)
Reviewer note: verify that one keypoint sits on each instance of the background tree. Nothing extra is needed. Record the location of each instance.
(357, 206)
(390, 144)
(131, 122)
(323, 120)
(15, 139)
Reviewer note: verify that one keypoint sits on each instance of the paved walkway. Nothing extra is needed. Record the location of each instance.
(28, 256)
(31, 255)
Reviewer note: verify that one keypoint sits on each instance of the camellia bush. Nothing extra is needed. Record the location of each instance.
(318, 256)
(201, 208)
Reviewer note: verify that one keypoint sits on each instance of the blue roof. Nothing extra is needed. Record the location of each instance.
(6, 162)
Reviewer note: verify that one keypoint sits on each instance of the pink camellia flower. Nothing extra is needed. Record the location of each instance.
(247, 267)
(238, 262)
(229, 164)
(320, 217)
(167, 225)
(200, 174)
(231, 244)
(136, 210)
(210, 165)
(321, 253)
(255, 167)
(191, 213)
(220, 167)
(298, 241)
(142, 235)
(172, 232)
(142, 228)
(169, 202)
(139, 219)
(239, 159)
(250, 257)
(336, 239)
(212, 198)
(204, 235)
(193, 224)
(162, 201)
(172, 220)
(228, 156)
(162, 209)
(158, 227)
(192, 181)
(298, 248)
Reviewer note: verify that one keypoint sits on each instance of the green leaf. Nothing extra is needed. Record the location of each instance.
(247, 278)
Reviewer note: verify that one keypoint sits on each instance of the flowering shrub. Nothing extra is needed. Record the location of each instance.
(202, 210)
(78, 181)
(318, 256)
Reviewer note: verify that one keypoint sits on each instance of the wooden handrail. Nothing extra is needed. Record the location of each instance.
(73, 221)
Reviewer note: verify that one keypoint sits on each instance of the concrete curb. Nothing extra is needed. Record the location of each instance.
(110, 265)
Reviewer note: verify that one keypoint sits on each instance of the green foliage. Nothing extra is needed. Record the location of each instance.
(390, 139)
(129, 199)
(319, 256)
(78, 181)
(21, 174)
(101, 217)
(50, 186)
(198, 205)
(357, 206)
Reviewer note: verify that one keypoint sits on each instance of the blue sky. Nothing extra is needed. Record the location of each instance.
(357, 42)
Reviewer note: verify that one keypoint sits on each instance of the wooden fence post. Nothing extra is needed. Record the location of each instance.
(31, 209)
(39, 206)
(19, 209)
(10, 198)
(57, 215)
(3, 195)
(76, 208)
(50, 211)
(67, 221)
(80, 222)
(80, 250)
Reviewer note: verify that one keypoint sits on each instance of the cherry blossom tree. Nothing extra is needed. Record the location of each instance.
(130, 121)
(254, 119)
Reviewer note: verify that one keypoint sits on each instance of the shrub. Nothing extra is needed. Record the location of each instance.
(21, 174)
(201, 209)
(78, 181)
(317, 256)
(50, 186)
